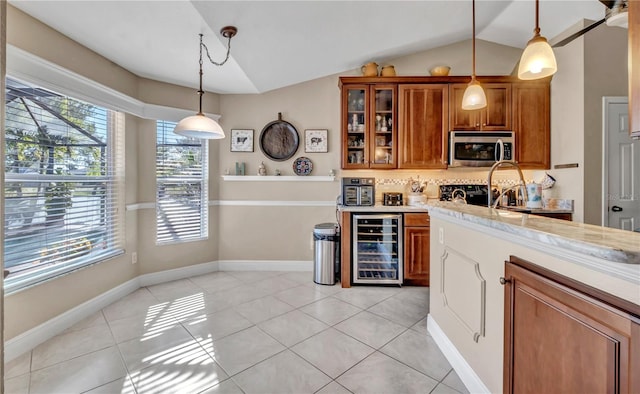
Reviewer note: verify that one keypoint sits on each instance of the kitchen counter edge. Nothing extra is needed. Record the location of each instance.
(614, 251)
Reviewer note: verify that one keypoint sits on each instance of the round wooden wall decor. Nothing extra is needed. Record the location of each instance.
(279, 140)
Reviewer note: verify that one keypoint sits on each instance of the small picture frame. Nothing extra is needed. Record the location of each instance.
(315, 141)
(381, 140)
(242, 140)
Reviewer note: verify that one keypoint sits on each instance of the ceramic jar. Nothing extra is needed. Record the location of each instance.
(388, 71)
(369, 70)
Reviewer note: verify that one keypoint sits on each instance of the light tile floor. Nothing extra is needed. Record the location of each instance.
(245, 332)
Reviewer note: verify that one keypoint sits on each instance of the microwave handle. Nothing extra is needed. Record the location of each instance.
(499, 155)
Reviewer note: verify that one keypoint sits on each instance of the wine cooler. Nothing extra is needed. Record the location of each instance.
(377, 249)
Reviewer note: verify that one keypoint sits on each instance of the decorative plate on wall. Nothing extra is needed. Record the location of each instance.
(279, 140)
(302, 166)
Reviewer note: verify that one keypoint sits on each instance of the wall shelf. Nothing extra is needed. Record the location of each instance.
(277, 178)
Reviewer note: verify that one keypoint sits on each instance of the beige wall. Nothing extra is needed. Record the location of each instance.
(567, 125)
(589, 68)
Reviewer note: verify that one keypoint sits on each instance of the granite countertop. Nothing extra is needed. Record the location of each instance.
(605, 243)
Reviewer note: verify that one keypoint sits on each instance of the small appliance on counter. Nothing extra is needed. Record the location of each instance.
(392, 199)
(358, 191)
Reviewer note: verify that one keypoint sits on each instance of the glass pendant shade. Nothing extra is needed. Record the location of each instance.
(538, 60)
(474, 97)
(199, 126)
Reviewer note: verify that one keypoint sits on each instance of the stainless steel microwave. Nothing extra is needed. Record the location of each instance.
(480, 148)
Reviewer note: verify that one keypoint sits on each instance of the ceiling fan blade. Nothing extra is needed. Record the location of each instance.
(608, 3)
(578, 34)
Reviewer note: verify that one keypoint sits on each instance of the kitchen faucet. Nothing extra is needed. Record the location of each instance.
(498, 164)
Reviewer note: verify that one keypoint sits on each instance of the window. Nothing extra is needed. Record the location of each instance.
(63, 182)
(181, 186)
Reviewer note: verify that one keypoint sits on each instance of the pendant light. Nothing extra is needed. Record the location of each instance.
(538, 60)
(474, 97)
(198, 125)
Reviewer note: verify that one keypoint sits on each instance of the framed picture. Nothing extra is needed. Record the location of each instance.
(315, 141)
(381, 140)
(241, 140)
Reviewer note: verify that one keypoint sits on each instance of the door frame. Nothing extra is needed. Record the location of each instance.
(606, 100)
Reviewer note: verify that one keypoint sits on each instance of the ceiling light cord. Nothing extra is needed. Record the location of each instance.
(473, 41)
(202, 45)
(474, 96)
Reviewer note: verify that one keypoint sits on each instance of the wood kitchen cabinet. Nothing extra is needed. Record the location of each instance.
(495, 116)
(634, 68)
(562, 336)
(369, 126)
(423, 124)
(427, 108)
(345, 249)
(416, 249)
(532, 124)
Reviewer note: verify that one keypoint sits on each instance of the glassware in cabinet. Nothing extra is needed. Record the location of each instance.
(355, 124)
(384, 127)
(369, 126)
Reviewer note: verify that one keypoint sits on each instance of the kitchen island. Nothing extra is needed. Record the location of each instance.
(469, 248)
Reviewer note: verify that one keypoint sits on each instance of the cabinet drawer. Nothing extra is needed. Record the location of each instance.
(416, 219)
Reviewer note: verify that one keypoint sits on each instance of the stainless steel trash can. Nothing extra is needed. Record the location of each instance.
(325, 250)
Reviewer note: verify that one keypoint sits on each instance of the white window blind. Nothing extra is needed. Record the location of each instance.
(181, 186)
(63, 184)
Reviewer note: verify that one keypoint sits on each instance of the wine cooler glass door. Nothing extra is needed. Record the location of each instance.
(377, 249)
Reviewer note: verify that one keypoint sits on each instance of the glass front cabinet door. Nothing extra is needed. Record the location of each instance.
(369, 126)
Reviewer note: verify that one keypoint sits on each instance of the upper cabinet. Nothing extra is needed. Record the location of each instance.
(532, 124)
(495, 116)
(404, 122)
(634, 68)
(369, 126)
(422, 121)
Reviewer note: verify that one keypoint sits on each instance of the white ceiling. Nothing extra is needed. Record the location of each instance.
(281, 43)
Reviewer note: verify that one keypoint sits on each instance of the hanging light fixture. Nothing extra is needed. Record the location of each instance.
(474, 97)
(198, 125)
(538, 60)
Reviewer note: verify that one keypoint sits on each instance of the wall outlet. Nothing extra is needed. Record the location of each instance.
(134, 257)
(441, 235)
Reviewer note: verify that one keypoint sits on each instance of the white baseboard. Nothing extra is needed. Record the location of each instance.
(177, 273)
(28, 340)
(264, 265)
(459, 364)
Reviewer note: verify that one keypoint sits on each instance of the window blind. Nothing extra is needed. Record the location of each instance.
(63, 184)
(181, 186)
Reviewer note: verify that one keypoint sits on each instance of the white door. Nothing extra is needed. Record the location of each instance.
(621, 202)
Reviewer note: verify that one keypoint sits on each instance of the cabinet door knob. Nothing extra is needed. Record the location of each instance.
(504, 281)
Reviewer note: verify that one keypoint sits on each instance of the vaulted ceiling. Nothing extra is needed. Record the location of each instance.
(281, 43)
